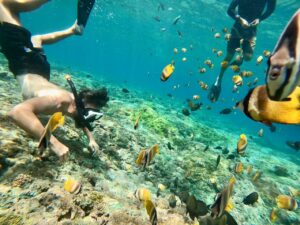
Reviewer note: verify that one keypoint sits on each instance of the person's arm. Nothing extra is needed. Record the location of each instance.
(232, 9)
(271, 4)
(46, 39)
(92, 143)
(24, 5)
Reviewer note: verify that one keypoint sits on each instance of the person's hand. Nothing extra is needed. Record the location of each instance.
(77, 29)
(255, 22)
(94, 147)
(214, 92)
(243, 22)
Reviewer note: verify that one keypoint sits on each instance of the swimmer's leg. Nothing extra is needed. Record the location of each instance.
(24, 115)
(215, 90)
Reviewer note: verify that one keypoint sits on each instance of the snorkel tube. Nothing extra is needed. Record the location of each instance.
(84, 115)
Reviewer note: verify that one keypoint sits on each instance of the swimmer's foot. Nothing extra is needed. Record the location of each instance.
(214, 92)
(59, 149)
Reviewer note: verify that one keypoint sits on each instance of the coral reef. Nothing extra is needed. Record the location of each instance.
(32, 189)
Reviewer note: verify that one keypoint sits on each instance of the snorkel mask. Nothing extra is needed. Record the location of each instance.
(85, 116)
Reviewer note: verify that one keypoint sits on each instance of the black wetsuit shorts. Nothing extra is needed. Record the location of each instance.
(237, 34)
(23, 58)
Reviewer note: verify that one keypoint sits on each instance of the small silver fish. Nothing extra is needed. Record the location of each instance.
(175, 21)
(283, 74)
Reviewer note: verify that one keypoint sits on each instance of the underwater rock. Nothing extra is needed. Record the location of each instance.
(183, 196)
(48, 199)
(281, 171)
(231, 156)
(21, 180)
(185, 112)
(225, 151)
(251, 199)
(125, 90)
(11, 219)
(195, 207)
(172, 201)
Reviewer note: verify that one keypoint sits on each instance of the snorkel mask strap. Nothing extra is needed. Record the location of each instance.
(79, 106)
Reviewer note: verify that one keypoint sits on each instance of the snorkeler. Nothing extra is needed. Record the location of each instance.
(30, 66)
(243, 33)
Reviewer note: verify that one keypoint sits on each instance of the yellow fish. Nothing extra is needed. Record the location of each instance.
(256, 176)
(257, 106)
(249, 169)
(72, 186)
(227, 37)
(145, 157)
(203, 85)
(273, 215)
(136, 124)
(184, 50)
(237, 80)
(143, 194)
(196, 97)
(219, 53)
(235, 68)
(151, 211)
(208, 62)
(266, 53)
(242, 144)
(167, 71)
(224, 64)
(202, 70)
(141, 157)
(286, 202)
(259, 60)
(217, 35)
(229, 205)
(239, 167)
(56, 120)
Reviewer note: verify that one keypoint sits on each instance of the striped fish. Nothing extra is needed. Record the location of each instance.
(145, 157)
(221, 201)
(151, 211)
(283, 74)
(142, 194)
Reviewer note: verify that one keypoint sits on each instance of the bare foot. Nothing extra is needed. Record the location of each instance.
(59, 149)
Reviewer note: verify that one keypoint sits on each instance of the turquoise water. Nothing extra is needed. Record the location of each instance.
(124, 43)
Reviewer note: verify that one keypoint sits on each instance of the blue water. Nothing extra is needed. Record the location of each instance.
(124, 44)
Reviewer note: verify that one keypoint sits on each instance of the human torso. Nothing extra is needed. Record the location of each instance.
(251, 9)
(7, 16)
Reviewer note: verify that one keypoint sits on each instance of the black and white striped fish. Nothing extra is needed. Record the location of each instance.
(283, 74)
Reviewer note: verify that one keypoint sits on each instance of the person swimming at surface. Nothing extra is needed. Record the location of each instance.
(29, 64)
(243, 33)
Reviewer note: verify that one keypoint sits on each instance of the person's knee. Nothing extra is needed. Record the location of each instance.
(248, 56)
(15, 112)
